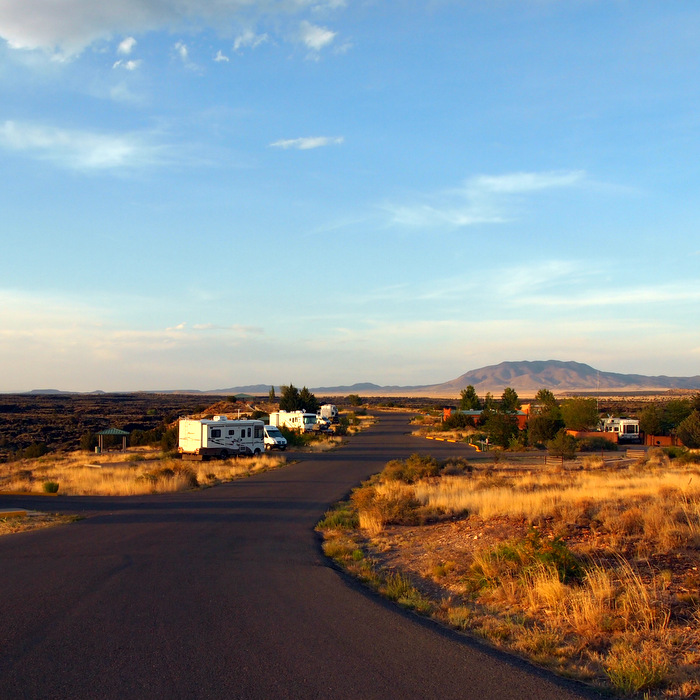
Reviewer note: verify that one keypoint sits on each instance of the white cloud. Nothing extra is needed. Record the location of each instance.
(483, 199)
(126, 46)
(127, 65)
(514, 183)
(315, 37)
(306, 143)
(66, 28)
(81, 150)
(220, 57)
(249, 39)
(182, 51)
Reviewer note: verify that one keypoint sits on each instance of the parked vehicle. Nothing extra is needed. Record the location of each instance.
(328, 412)
(627, 429)
(274, 440)
(220, 437)
(294, 420)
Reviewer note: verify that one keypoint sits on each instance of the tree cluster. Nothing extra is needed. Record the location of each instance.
(292, 399)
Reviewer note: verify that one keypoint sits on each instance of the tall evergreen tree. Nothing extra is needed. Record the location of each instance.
(469, 401)
(289, 400)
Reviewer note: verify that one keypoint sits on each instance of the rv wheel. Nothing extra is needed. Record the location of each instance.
(223, 454)
(256, 453)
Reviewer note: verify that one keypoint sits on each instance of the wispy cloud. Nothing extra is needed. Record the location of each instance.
(220, 57)
(483, 199)
(81, 150)
(634, 297)
(128, 65)
(306, 143)
(249, 39)
(66, 28)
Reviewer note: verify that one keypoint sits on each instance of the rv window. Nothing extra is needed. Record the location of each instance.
(258, 431)
(216, 433)
(248, 432)
(231, 432)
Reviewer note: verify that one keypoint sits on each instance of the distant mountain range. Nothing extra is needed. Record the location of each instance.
(525, 377)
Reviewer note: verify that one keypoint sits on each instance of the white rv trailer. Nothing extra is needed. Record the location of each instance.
(220, 437)
(329, 412)
(294, 420)
(627, 429)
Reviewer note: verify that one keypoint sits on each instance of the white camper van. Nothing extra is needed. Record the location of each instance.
(274, 440)
(294, 420)
(220, 437)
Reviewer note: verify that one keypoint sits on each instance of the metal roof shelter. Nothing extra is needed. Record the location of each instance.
(111, 431)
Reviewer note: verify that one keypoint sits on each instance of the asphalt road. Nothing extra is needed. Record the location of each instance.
(224, 593)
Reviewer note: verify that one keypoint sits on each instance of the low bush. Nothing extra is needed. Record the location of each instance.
(632, 671)
(343, 517)
(597, 444)
(412, 469)
(50, 487)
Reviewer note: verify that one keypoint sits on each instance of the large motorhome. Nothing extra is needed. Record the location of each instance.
(220, 437)
(294, 420)
(627, 429)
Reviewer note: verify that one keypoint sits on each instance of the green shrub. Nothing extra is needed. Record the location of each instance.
(295, 438)
(344, 517)
(563, 445)
(50, 487)
(412, 469)
(37, 449)
(455, 466)
(631, 671)
(458, 421)
(88, 442)
(597, 444)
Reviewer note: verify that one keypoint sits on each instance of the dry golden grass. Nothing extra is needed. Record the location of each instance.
(125, 474)
(543, 494)
(599, 577)
(9, 525)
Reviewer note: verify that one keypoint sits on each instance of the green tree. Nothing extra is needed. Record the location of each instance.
(271, 395)
(354, 400)
(545, 417)
(562, 445)
(677, 411)
(489, 400)
(501, 428)
(88, 441)
(510, 402)
(289, 400)
(654, 421)
(469, 401)
(689, 430)
(545, 400)
(580, 414)
(308, 402)
(543, 427)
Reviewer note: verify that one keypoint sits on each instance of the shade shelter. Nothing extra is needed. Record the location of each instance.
(111, 431)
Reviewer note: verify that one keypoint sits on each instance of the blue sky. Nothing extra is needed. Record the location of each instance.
(210, 193)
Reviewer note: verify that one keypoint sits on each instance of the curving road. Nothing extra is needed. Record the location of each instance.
(224, 593)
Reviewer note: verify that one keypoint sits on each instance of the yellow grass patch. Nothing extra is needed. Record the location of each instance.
(125, 474)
